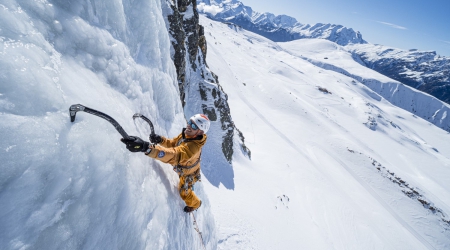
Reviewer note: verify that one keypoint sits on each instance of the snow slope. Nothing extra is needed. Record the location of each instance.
(334, 164)
(333, 57)
(70, 185)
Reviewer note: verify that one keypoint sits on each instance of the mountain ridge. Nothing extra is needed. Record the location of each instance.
(423, 70)
(281, 28)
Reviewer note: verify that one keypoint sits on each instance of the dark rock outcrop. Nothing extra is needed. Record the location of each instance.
(200, 90)
(178, 35)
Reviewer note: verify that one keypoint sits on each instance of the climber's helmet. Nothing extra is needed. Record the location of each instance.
(199, 121)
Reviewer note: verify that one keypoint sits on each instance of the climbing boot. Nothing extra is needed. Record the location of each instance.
(191, 209)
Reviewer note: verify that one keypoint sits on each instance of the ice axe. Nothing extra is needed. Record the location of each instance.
(78, 107)
(137, 115)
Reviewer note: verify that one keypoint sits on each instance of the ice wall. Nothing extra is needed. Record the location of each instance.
(73, 185)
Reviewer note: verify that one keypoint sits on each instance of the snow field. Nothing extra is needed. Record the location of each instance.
(330, 56)
(301, 140)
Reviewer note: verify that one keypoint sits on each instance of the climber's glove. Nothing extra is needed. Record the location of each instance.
(155, 139)
(135, 144)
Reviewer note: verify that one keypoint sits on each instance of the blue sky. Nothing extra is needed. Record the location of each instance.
(412, 24)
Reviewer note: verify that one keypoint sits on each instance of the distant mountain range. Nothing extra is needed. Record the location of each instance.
(280, 28)
(423, 70)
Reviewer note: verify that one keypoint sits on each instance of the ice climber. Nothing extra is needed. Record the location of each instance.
(183, 152)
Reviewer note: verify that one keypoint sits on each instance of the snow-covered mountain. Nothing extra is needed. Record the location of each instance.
(336, 163)
(280, 28)
(339, 59)
(423, 70)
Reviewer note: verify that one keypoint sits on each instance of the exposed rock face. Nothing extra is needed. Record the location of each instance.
(199, 87)
(178, 36)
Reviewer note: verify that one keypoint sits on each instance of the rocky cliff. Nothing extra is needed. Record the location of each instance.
(200, 91)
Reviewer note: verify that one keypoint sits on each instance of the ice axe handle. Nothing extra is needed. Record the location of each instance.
(78, 107)
(152, 129)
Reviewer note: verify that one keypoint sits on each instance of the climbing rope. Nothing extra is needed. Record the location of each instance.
(198, 230)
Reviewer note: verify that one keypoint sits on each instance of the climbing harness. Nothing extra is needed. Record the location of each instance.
(189, 180)
(198, 230)
(179, 168)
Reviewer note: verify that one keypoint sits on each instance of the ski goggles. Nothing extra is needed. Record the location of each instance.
(193, 125)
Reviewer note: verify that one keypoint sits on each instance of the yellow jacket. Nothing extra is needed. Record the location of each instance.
(180, 151)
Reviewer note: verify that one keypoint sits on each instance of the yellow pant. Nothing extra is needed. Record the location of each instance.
(188, 196)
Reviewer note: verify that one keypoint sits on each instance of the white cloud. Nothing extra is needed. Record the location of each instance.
(211, 9)
(393, 25)
(445, 41)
